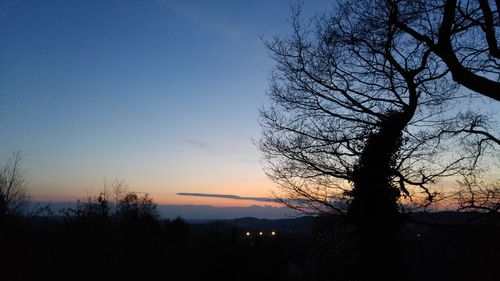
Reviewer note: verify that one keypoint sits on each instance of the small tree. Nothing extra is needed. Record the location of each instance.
(91, 209)
(14, 195)
(177, 229)
(119, 204)
(135, 207)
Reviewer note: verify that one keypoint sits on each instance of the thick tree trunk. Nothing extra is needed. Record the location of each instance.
(374, 207)
(459, 72)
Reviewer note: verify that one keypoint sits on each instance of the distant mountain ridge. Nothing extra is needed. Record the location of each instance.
(304, 224)
(268, 217)
(202, 212)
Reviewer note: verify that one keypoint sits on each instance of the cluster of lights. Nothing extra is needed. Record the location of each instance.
(273, 233)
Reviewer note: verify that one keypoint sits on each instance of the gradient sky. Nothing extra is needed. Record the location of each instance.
(161, 94)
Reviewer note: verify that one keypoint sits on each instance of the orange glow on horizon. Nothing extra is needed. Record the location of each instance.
(162, 194)
(170, 199)
(212, 201)
(174, 199)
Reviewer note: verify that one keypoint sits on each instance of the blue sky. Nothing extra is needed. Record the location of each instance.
(161, 94)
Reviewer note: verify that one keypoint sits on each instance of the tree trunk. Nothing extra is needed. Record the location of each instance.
(374, 207)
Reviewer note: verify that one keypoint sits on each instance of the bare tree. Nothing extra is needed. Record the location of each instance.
(362, 120)
(118, 203)
(478, 195)
(358, 107)
(14, 195)
(462, 33)
(136, 207)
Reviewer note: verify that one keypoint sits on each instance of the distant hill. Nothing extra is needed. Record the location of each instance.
(282, 218)
(299, 225)
(452, 219)
(202, 213)
(305, 224)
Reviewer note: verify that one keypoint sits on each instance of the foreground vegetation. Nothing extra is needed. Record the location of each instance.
(88, 244)
(118, 235)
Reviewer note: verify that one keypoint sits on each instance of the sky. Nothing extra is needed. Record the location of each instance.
(163, 95)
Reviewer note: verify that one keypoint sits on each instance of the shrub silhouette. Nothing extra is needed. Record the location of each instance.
(91, 209)
(177, 229)
(133, 207)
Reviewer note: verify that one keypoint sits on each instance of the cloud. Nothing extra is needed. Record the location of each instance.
(227, 196)
(200, 17)
(197, 143)
(333, 198)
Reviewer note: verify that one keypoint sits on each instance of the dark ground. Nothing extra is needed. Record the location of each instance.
(447, 246)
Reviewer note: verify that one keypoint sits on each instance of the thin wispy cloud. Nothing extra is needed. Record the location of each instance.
(197, 143)
(332, 198)
(245, 160)
(200, 18)
(227, 196)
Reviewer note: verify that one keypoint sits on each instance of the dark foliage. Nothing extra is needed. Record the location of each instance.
(57, 249)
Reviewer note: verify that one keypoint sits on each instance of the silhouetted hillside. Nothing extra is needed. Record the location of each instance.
(293, 225)
(449, 218)
(303, 248)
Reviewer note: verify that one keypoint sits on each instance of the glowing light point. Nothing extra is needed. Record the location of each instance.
(260, 233)
(273, 233)
(248, 234)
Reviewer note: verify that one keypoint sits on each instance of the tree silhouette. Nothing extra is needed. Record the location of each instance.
(177, 229)
(357, 104)
(477, 194)
(14, 195)
(93, 209)
(135, 207)
(362, 120)
(461, 33)
(121, 205)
